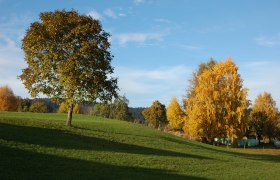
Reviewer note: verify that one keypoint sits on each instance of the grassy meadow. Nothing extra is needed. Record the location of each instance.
(40, 146)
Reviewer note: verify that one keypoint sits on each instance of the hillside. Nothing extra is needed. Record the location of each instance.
(39, 146)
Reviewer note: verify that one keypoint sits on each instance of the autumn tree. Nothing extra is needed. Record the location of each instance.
(175, 115)
(194, 80)
(8, 101)
(218, 106)
(191, 126)
(155, 115)
(68, 59)
(62, 108)
(38, 106)
(77, 109)
(264, 116)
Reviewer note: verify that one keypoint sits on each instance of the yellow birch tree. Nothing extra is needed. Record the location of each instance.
(218, 107)
(264, 116)
(175, 115)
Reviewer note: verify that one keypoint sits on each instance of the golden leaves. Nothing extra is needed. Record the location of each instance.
(175, 116)
(218, 103)
(8, 101)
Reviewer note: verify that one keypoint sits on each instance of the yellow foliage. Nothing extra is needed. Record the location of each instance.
(175, 115)
(39, 107)
(77, 109)
(265, 103)
(218, 106)
(264, 116)
(8, 101)
(63, 108)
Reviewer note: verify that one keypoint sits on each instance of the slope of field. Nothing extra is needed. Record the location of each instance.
(39, 146)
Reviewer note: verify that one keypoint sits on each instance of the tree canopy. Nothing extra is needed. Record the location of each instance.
(68, 59)
(38, 106)
(218, 106)
(264, 116)
(193, 82)
(155, 115)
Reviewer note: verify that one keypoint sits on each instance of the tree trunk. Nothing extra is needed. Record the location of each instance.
(69, 117)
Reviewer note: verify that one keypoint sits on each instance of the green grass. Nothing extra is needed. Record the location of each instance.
(40, 146)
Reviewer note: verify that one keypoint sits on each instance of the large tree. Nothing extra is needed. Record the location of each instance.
(264, 116)
(68, 59)
(218, 106)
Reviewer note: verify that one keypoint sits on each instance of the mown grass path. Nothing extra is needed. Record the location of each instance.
(40, 146)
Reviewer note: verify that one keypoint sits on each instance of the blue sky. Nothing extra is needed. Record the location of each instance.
(157, 44)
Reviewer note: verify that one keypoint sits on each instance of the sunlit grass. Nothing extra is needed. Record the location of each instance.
(40, 146)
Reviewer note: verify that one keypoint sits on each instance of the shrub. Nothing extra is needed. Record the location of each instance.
(39, 106)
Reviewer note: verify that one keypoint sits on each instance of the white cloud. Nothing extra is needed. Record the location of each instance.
(257, 64)
(268, 41)
(95, 15)
(122, 14)
(11, 63)
(138, 1)
(260, 76)
(162, 20)
(142, 86)
(6, 43)
(110, 13)
(125, 38)
(12, 28)
(189, 47)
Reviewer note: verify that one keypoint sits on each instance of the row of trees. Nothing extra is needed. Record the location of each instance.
(118, 109)
(216, 105)
(10, 102)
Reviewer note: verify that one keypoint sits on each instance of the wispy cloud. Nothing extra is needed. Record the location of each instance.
(260, 76)
(11, 63)
(189, 47)
(6, 43)
(155, 84)
(138, 1)
(95, 15)
(110, 13)
(125, 38)
(122, 14)
(162, 20)
(12, 30)
(257, 64)
(268, 41)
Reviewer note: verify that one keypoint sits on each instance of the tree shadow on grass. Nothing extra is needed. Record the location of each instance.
(258, 157)
(67, 140)
(21, 164)
(116, 132)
